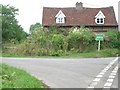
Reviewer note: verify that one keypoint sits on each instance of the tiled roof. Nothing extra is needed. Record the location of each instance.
(75, 17)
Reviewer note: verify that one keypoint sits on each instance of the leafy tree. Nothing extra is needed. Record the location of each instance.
(80, 38)
(10, 27)
(113, 39)
(34, 27)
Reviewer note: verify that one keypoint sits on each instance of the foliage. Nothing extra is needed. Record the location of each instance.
(53, 43)
(16, 78)
(79, 39)
(34, 27)
(10, 27)
(57, 41)
(113, 39)
(109, 52)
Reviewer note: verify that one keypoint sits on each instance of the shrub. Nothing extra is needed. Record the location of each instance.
(57, 53)
(112, 39)
(109, 52)
(57, 41)
(79, 39)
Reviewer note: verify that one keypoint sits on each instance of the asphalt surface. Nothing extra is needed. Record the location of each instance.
(66, 73)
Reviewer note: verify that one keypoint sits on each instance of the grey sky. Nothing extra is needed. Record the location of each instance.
(30, 11)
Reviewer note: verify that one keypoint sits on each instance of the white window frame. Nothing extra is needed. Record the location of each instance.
(60, 17)
(60, 20)
(100, 18)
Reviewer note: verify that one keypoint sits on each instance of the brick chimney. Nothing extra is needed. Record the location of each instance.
(79, 6)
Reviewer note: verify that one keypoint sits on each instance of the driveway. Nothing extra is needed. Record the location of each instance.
(69, 73)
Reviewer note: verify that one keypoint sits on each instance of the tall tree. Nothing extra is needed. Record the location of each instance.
(34, 27)
(10, 27)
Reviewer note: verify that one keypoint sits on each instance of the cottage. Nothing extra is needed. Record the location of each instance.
(96, 19)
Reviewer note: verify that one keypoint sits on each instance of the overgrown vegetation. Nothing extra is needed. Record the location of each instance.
(53, 43)
(16, 78)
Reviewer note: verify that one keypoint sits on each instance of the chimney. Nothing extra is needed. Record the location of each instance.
(79, 6)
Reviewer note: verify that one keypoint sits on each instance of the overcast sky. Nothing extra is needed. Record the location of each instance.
(30, 11)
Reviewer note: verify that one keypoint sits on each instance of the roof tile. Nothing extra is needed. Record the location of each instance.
(75, 17)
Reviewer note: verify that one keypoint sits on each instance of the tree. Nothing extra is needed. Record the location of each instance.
(79, 39)
(34, 27)
(112, 39)
(10, 27)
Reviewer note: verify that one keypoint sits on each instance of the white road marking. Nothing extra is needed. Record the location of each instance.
(111, 76)
(103, 71)
(106, 87)
(90, 87)
(100, 75)
(96, 79)
(110, 81)
(113, 73)
(108, 84)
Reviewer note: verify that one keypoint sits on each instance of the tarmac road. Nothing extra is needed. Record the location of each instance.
(69, 72)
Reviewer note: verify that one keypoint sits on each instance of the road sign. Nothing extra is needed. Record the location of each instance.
(99, 37)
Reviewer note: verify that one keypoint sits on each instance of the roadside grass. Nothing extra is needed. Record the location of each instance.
(0, 52)
(17, 78)
(101, 53)
(90, 54)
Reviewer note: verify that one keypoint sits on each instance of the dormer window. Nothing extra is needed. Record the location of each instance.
(60, 20)
(60, 17)
(100, 18)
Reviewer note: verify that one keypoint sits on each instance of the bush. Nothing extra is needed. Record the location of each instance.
(112, 38)
(109, 52)
(54, 43)
(56, 53)
(80, 39)
(57, 41)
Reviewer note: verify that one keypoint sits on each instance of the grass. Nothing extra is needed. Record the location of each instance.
(102, 53)
(17, 78)
(90, 54)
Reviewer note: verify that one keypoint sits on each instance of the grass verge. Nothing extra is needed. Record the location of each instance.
(17, 78)
(101, 53)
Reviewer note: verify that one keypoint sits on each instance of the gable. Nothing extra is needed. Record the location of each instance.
(100, 15)
(60, 14)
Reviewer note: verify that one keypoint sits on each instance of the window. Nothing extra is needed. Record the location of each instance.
(60, 17)
(60, 20)
(100, 18)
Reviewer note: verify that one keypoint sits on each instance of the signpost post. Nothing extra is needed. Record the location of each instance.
(99, 37)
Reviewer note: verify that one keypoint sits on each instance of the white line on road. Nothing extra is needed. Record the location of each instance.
(110, 81)
(100, 75)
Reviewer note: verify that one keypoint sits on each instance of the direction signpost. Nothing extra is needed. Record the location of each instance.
(99, 37)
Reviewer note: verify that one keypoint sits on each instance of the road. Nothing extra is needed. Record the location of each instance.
(72, 72)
